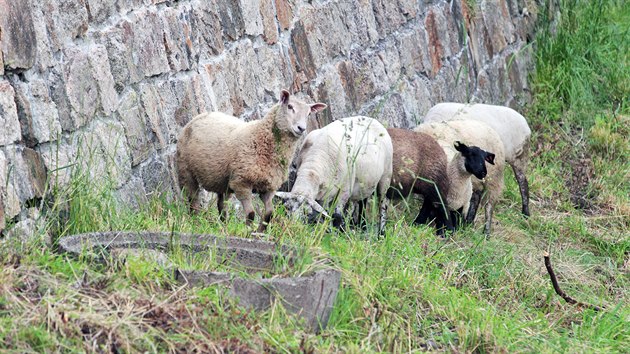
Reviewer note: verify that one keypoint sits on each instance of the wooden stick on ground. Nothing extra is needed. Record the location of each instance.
(556, 287)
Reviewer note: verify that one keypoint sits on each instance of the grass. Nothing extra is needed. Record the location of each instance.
(582, 64)
(407, 291)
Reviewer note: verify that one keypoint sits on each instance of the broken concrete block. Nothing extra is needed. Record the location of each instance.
(311, 296)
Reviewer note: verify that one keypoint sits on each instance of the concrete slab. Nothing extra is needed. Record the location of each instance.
(252, 255)
(310, 297)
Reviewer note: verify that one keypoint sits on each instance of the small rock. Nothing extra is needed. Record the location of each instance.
(284, 12)
(206, 28)
(105, 81)
(104, 153)
(81, 87)
(100, 10)
(65, 20)
(251, 11)
(23, 172)
(303, 55)
(269, 21)
(180, 42)
(231, 17)
(132, 194)
(157, 177)
(18, 43)
(32, 228)
(132, 116)
(390, 15)
(38, 115)
(9, 123)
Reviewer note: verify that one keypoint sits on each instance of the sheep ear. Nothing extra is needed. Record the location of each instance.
(317, 107)
(284, 96)
(490, 158)
(316, 207)
(460, 147)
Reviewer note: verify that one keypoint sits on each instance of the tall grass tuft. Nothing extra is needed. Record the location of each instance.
(582, 63)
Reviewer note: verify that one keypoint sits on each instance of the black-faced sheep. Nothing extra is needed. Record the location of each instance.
(511, 126)
(419, 166)
(479, 134)
(465, 162)
(223, 154)
(347, 160)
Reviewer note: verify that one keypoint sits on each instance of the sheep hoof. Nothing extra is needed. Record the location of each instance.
(338, 222)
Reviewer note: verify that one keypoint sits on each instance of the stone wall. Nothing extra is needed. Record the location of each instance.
(109, 83)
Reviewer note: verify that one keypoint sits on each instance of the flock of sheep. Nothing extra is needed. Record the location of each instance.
(454, 159)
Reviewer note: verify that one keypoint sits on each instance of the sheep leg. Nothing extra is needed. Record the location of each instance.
(424, 214)
(221, 205)
(428, 211)
(195, 205)
(475, 199)
(354, 220)
(439, 219)
(523, 185)
(338, 220)
(190, 189)
(245, 197)
(381, 193)
(456, 217)
(382, 214)
(267, 200)
(443, 221)
(444, 218)
(488, 219)
(361, 214)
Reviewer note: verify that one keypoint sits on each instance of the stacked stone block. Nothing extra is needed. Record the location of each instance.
(116, 80)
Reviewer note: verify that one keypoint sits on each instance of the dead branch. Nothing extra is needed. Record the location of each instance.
(562, 294)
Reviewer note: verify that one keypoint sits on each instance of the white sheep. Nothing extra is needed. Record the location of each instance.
(477, 135)
(511, 126)
(347, 160)
(223, 154)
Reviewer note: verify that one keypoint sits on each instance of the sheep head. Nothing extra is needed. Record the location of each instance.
(475, 159)
(293, 113)
(293, 203)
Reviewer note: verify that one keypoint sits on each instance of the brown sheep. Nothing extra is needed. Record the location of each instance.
(224, 154)
(418, 159)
